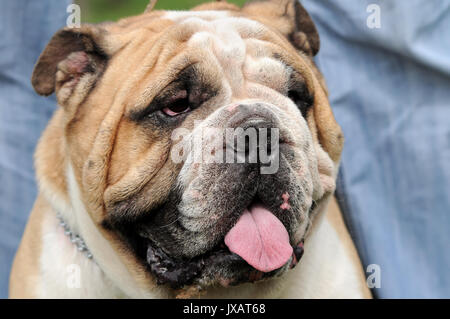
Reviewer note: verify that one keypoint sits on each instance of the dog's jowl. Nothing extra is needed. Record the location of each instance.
(193, 153)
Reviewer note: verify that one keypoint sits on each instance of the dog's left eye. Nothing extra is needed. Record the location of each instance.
(303, 102)
(299, 93)
(178, 105)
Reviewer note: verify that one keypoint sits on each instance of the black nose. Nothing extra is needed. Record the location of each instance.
(254, 134)
(254, 127)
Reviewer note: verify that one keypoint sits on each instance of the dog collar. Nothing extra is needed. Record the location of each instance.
(74, 238)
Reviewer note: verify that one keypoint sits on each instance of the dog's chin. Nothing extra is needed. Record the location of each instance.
(219, 266)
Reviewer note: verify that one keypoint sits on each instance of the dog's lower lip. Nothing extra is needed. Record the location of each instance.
(167, 270)
(180, 273)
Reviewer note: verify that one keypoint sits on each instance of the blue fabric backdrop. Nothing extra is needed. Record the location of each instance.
(25, 28)
(390, 91)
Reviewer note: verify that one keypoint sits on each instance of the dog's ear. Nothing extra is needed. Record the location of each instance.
(73, 57)
(288, 17)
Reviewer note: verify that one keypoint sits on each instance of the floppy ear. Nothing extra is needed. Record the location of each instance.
(288, 17)
(73, 57)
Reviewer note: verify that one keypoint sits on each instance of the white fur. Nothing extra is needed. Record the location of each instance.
(326, 269)
(178, 16)
(58, 258)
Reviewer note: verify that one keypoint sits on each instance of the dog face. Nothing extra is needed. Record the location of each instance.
(136, 96)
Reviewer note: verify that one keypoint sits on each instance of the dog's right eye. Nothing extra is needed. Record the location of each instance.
(179, 105)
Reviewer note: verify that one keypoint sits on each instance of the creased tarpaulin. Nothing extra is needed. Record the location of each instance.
(390, 92)
(25, 28)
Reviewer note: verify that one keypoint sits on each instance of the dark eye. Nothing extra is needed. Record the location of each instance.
(302, 99)
(178, 104)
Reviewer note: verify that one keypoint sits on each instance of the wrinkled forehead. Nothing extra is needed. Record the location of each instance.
(230, 50)
(245, 49)
(207, 15)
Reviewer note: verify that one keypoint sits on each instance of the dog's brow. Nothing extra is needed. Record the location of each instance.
(279, 57)
(187, 79)
(177, 72)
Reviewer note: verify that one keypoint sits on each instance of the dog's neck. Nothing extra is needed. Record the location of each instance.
(74, 237)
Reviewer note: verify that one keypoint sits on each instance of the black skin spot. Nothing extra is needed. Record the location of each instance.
(298, 251)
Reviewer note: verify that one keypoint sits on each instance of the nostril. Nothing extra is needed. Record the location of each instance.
(254, 127)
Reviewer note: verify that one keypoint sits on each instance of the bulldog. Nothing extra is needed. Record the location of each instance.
(125, 209)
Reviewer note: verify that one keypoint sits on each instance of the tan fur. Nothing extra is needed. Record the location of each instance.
(92, 156)
(25, 274)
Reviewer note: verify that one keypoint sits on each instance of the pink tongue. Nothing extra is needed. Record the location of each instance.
(260, 239)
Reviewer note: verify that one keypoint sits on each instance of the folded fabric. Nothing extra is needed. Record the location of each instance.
(25, 28)
(390, 91)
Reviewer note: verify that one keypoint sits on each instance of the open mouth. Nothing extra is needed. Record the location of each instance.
(255, 248)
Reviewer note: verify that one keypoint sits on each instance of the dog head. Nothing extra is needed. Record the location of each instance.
(199, 143)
